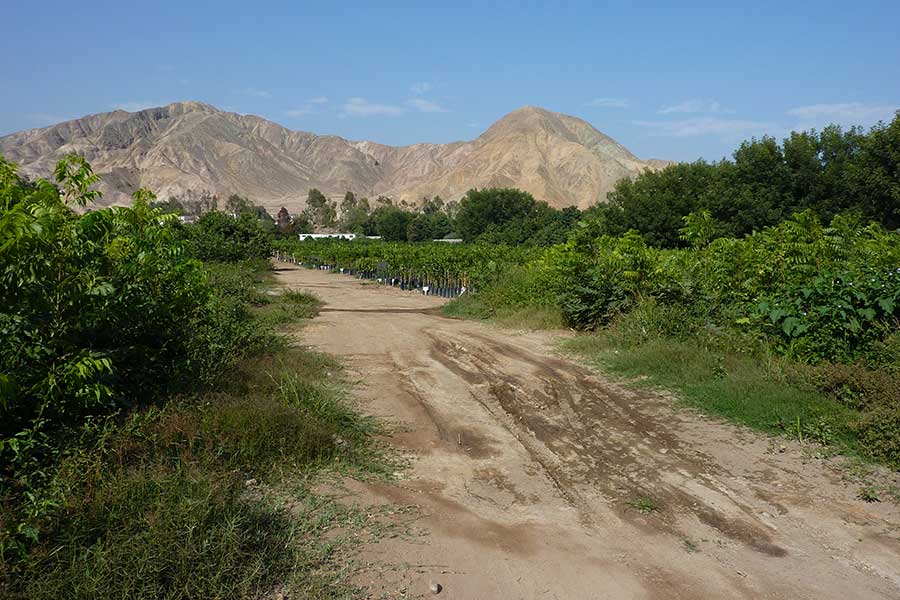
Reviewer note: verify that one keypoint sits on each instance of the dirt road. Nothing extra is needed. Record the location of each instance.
(538, 478)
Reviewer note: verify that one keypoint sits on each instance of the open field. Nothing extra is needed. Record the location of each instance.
(538, 478)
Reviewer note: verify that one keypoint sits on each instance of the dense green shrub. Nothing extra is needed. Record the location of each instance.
(836, 316)
(817, 293)
(606, 276)
(99, 311)
(94, 307)
(879, 434)
(217, 236)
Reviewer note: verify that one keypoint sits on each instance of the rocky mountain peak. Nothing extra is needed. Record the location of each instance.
(192, 146)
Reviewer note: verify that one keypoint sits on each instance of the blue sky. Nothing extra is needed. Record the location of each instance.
(668, 80)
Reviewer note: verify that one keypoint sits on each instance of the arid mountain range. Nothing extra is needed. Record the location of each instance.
(194, 146)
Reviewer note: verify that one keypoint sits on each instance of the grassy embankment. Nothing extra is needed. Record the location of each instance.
(210, 494)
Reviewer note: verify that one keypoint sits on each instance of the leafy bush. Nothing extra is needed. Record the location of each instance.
(95, 308)
(817, 293)
(99, 311)
(836, 316)
(217, 236)
(609, 275)
(856, 386)
(879, 434)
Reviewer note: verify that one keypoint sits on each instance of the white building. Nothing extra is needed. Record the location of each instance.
(322, 236)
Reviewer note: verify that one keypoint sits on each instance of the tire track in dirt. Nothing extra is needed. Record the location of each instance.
(524, 464)
(586, 455)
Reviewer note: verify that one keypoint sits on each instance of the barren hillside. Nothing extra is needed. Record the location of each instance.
(194, 146)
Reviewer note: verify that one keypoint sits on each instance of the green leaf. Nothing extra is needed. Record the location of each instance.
(790, 325)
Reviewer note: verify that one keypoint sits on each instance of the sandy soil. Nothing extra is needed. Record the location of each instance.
(526, 468)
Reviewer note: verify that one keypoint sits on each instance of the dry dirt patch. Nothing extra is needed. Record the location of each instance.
(538, 478)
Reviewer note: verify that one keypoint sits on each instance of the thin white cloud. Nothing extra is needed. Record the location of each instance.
(360, 107)
(472, 124)
(255, 93)
(425, 106)
(300, 111)
(137, 105)
(307, 107)
(702, 126)
(419, 88)
(608, 103)
(856, 111)
(694, 106)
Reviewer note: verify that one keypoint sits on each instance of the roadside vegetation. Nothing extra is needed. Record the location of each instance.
(158, 438)
(765, 289)
(792, 329)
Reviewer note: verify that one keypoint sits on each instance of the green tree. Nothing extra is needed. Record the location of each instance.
(236, 204)
(354, 213)
(875, 174)
(480, 210)
(391, 223)
(428, 226)
(219, 237)
(349, 202)
(432, 205)
(283, 220)
(320, 211)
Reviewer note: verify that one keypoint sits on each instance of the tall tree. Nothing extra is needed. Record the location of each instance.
(283, 219)
(320, 211)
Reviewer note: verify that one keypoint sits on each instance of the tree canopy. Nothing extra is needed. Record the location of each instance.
(830, 172)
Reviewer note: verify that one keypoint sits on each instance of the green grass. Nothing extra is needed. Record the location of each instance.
(743, 388)
(510, 300)
(645, 506)
(211, 495)
(513, 317)
(287, 307)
